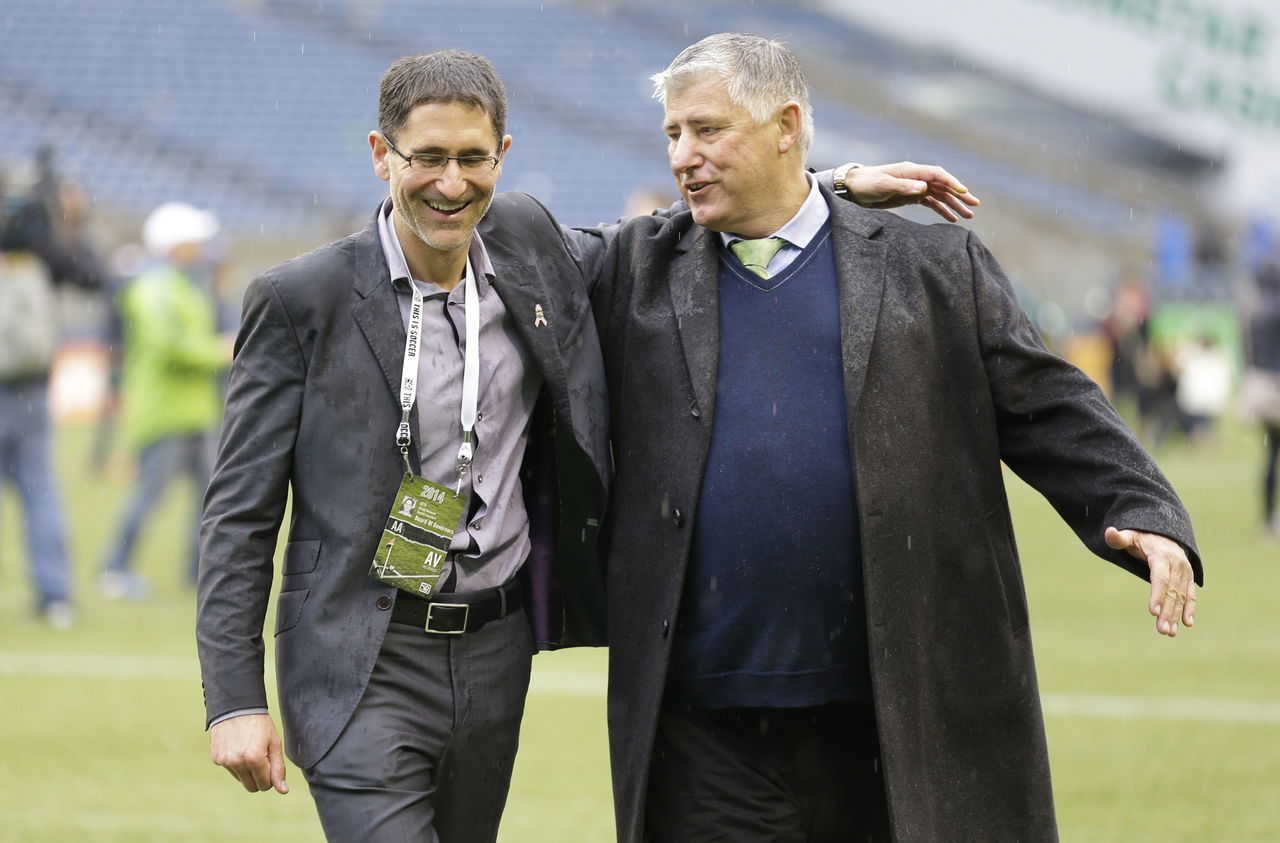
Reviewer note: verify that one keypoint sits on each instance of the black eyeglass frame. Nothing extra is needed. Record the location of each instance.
(444, 160)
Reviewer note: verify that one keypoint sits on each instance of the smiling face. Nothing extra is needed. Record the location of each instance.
(736, 175)
(436, 213)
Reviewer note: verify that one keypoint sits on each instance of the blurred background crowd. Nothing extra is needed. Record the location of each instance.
(154, 158)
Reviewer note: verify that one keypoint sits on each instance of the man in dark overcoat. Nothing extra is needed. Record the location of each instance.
(816, 615)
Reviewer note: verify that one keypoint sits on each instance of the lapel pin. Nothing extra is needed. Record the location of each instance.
(539, 318)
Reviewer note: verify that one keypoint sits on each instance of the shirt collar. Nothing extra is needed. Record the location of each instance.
(804, 226)
(400, 267)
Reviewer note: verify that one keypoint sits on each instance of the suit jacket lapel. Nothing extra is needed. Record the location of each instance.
(377, 313)
(694, 279)
(525, 293)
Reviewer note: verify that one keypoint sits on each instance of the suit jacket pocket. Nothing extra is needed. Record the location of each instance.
(301, 557)
(289, 608)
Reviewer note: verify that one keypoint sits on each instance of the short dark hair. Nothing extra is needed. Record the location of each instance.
(444, 76)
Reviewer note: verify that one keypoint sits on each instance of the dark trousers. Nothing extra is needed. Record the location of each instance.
(741, 775)
(427, 755)
(158, 463)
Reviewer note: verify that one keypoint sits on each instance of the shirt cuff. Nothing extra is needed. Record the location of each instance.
(239, 712)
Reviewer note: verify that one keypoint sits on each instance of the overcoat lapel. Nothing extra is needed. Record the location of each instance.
(694, 287)
(377, 313)
(860, 265)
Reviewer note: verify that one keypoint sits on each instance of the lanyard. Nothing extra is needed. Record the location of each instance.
(470, 375)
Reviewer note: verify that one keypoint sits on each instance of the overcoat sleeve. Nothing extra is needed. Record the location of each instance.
(1060, 434)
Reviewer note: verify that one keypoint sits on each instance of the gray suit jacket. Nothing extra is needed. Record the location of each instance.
(944, 378)
(312, 407)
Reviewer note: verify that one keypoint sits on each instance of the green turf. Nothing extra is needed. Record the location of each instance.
(102, 735)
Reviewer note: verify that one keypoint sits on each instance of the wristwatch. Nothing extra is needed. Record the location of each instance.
(842, 173)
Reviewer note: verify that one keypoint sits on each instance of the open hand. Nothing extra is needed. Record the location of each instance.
(1173, 587)
(906, 183)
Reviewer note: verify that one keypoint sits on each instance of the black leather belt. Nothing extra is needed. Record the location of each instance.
(454, 614)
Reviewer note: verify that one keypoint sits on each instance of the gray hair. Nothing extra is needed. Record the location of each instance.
(759, 74)
(444, 76)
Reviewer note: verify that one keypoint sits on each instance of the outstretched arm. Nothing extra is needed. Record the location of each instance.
(1059, 433)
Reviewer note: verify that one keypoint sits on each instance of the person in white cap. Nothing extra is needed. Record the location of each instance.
(173, 358)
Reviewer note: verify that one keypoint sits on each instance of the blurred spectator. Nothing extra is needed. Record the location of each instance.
(1158, 379)
(49, 221)
(1125, 327)
(1203, 386)
(172, 360)
(42, 246)
(1261, 393)
(1213, 250)
(127, 261)
(1133, 375)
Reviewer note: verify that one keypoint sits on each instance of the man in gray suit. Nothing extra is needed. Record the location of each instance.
(404, 710)
(450, 342)
(817, 623)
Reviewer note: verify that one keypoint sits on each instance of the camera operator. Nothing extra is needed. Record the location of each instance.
(41, 247)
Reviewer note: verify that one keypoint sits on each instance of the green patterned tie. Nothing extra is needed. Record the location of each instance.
(756, 254)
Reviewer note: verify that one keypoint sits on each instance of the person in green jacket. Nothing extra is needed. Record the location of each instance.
(173, 359)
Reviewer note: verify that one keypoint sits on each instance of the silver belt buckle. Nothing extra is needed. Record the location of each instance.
(431, 608)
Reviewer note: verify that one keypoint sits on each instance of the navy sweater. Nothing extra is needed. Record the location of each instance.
(772, 613)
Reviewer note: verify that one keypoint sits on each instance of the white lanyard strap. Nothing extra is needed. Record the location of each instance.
(409, 374)
(470, 373)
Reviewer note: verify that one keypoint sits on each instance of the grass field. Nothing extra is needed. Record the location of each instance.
(1151, 739)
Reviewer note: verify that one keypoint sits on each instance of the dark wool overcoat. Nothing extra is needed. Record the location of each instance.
(944, 378)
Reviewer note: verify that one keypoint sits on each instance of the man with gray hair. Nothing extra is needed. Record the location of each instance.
(816, 618)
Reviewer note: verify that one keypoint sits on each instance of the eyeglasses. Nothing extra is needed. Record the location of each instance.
(434, 162)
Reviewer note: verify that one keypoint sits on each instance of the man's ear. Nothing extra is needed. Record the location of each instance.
(379, 149)
(789, 123)
(502, 151)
